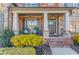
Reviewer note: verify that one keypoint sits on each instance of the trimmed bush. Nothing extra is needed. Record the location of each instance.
(17, 51)
(76, 39)
(27, 40)
(2, 41)
(8, 34)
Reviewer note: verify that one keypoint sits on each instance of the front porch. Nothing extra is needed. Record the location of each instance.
(53, 26)
(53, 23)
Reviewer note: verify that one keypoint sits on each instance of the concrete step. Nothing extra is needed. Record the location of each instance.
(60, 42)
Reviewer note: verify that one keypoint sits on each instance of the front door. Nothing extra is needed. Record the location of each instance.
(52, 27)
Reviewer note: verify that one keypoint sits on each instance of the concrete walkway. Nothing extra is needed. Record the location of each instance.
(63, 51)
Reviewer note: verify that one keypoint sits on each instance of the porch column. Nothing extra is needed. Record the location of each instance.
(6, 16)
(46, 31)
(15, 23)
(67, 21)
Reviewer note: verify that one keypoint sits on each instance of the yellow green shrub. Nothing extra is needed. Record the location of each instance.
(27, 40)
(76, 39)
(18, 51)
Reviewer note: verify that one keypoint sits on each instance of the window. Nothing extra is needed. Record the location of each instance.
(71, 5)
(74, 23)
(31, 5)
(32, 23)
(75, 5)
(27, 5)
(1, 22)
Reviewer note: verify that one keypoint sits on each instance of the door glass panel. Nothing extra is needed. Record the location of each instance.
(52, 27)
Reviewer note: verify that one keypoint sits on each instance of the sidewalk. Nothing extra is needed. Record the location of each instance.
(63, 51)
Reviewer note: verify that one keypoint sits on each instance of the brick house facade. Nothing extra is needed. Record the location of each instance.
(51, 18)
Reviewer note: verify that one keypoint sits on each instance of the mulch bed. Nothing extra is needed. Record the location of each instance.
(76, 48)
(48, 51)
(43, 50)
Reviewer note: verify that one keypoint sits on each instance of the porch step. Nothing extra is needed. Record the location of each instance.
(60, 42)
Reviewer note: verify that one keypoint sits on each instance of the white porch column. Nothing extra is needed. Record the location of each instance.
(15, 23)
(67, 21)
(6, 16)
(46, 31)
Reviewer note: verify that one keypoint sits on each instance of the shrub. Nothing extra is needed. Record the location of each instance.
(76, 39)
(17, 51)
(27, 40)
(8, 34)
(2, 41)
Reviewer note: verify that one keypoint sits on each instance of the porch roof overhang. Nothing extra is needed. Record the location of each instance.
(40, 10)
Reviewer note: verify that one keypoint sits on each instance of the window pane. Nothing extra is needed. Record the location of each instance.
(31, 5)
(1, 22)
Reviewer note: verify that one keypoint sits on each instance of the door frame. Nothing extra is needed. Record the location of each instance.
(54, 19)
